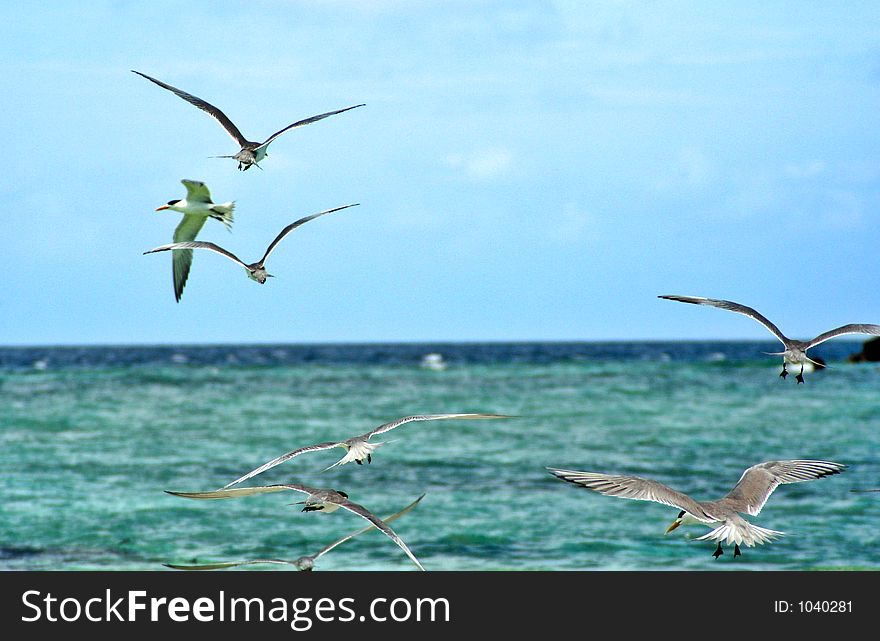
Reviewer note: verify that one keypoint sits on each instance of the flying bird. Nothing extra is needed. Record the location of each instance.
(318, 500)
(358, 448)
(251, 152)
(747, 497)
(196, 208)
(795, 352)
(255, 271)
(306, 562)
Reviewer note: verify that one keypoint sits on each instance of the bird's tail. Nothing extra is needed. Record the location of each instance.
(223, 213)
(740, 533)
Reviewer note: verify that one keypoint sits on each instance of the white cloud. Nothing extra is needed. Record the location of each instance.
(482, 165)
(805, 170)
(571, 225)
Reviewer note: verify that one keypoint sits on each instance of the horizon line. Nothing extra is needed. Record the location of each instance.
(536, 341)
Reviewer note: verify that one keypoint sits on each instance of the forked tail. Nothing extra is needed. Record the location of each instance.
(740, 533)
(223, 213)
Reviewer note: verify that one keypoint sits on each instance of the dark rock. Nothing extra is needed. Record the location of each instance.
(870, 352)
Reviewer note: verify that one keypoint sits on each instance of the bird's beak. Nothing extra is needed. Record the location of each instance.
(674, 525)
(162, 207)
(270, 275)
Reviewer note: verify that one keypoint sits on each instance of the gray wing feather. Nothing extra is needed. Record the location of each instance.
(227, 564)
(387, 519)
(296, 224)
(633, 487)
(198, 245)
(854, 328)
(237, 492)
(181, 259)
(387, 427)
(364, 513)
(207, 107)
(733, 307)
(282, 459)
(758, 482)
(196, 191)
(306, 121)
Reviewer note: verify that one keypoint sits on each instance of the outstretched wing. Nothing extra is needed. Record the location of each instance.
(364, 513)
(237, 492)
(306, 121)
(853, 328)
(733, 307)
(198, 245)
(294, 225)
(387, 427)
(228, 564)
(207, 107)
(387, 519)
(758, 482)
(196, 191)
(181, 259)
(634, 487)
(281, 459)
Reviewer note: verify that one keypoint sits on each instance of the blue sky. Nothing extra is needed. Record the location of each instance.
(526, 170)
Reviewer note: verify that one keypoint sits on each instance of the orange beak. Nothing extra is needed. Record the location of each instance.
(162, 207)
(674, 525)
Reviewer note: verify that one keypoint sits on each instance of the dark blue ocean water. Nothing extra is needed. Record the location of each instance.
(91, 436)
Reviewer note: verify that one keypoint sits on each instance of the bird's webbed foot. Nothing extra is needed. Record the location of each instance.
(799, 378)
(784, 373)
(313, 508)
(736, 551)
(358, 461)
(718, 551)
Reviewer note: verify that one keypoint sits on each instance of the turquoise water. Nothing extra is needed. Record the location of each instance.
(90, 438)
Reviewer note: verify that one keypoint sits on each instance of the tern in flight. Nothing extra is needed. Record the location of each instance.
(747, 497)
(255, 271)
(196, 209)
(318, 500)
(251, 152)
(358, 448)
(795, 351)
(306, 562)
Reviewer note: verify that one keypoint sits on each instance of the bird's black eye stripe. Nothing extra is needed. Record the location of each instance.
(171, 202)
(681, 514)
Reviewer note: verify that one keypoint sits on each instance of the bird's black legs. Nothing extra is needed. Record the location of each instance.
(718, 551)
(358, 461)
(784, 372)
(736, 551)
(313, 508)
(800, 377)
(369, 458)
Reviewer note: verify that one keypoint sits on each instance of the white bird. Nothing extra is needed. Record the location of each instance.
(318, 500)
(747, 497)
(255, 271)
(305, 563)
(795, 351)
(358, 448)
(196, 208)
(251, 152)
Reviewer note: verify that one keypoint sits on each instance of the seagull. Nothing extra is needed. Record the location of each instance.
(747, 497)
(305, 563)
(357, 448)
(255, 271)
(251, 152)
(318, 500)
(196, 208)
(795, 351)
